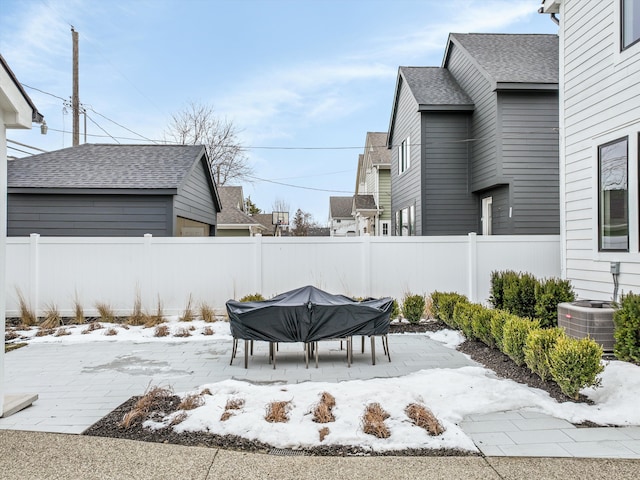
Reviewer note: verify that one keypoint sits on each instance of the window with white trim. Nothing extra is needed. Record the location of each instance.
(630, 13)
(406, 221)
(404, 156)
(613, 196)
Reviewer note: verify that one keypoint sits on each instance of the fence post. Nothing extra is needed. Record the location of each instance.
(473, 267)
(366, 265)
(34, 273)
(146, 277)
(258, 263)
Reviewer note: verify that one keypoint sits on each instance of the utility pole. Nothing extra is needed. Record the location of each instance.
(75, 100)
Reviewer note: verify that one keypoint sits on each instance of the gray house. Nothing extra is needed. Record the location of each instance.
(113, 190)
(474, 143)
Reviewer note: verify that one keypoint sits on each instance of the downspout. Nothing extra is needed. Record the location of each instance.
(555, 19)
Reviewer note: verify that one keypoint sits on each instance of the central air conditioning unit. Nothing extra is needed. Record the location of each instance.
(588, 318)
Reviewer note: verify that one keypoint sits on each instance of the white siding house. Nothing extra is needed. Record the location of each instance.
(599, 143)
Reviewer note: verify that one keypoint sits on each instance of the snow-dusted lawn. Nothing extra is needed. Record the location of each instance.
(451, 394)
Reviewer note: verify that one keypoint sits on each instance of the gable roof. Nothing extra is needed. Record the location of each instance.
(232, 213)
(36, 117)
(434, 88)
(364, 202)
(340, 207)
(107, 166)
(375, 148)
(510, 60)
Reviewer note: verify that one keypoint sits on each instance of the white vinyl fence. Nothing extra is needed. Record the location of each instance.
(58, 270)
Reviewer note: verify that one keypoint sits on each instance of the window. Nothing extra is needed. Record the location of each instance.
(385, 229)
(630, 22)
(487, 215)
(613, 222)
(406, 221)
(404, 156)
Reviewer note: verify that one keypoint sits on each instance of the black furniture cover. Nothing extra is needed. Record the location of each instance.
(308, 314)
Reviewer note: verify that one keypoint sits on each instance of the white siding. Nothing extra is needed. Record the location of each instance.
(600, 102)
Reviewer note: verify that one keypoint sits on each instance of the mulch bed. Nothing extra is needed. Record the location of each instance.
(503, 366)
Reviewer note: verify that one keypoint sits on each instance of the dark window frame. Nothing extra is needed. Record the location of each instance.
(600, 206)
(622, 29)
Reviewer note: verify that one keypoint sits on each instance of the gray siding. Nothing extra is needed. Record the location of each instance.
(530, 157)
(449, 206)
(485, 168)
(406, 187)
(194, 198)
(89, 215)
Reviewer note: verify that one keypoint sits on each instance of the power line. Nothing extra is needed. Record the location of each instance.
(25, 145)
(121, 126)
(96, 124)
(42, 91)
(18, 150)
(299, 186)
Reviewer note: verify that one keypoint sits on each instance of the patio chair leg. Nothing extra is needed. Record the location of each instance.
(349, 351)
(385, 343)
(362, 343)
(246, 354)
(373, 350)
(306, 355)
(252, 348)
(234, 349)
(274, 355)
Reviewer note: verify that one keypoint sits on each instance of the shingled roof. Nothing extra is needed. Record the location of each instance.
(232, 213)
(379, 154)
(340, 207)
(434, 87)
(511, 58)
(106, 166)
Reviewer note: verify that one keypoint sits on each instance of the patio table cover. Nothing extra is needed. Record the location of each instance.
(308, 314)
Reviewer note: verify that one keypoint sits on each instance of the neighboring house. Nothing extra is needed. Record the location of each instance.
(474, 143)
(600, 144)
(113, 190)
(372, 201)
(17, 111)
(233, 221)
(341, 220)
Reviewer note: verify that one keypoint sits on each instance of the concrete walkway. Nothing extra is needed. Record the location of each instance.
(80, 383)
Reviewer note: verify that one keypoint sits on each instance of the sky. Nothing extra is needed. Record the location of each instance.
(445, 391)
(303, 81)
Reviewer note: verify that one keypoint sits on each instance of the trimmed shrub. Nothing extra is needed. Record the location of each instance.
(575, 364)
(413, 307)
(443, 303)
(254, 297)
(549, 293)
(395, 310)
(499, 282)
(498, 319)
(481, 326)
(464, 314)
(520, 296)
(537, 350)
(515, 334)
(627, 329)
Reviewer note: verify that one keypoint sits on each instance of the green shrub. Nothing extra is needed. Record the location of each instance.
(254, 297)
(463, 314)
(395, 310)
(627, 328)
(481, 326)
(499, 282)
(443, 303)
(498, 319)
(575, 364)
(538, 347)
(515, 334)
(520, 296)
(548, 294)
(413, 307)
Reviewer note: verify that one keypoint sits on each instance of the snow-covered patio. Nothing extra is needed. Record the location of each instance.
(82, 377)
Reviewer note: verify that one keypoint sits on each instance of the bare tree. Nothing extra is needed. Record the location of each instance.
(280, 205)
(197, 124)
(301, 223)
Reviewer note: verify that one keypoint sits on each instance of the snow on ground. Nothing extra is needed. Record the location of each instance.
(451, 394)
